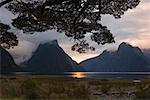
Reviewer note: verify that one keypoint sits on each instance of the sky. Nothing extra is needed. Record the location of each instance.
(133, 27)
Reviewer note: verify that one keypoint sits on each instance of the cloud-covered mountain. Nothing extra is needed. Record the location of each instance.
(50, 58)
(126, 58)
(7, 64)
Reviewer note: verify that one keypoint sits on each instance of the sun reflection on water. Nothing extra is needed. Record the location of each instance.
(78, 75)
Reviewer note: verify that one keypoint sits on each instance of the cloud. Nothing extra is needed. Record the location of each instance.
(23, 51)
(134, 25)
(140, 42)
(5, 16)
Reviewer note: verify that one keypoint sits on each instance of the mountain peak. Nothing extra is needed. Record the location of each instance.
(53, 42)
(124, 46)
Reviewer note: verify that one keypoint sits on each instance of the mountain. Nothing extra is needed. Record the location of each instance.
(147, 53)
(50, 58)
(126, 58)
(7, 64)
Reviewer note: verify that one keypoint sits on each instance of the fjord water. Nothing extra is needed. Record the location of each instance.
(114, 75)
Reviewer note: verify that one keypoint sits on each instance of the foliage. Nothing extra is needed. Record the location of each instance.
(75, 18)
(7, 39)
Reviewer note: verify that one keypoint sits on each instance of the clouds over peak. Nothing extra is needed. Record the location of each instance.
(23, 51)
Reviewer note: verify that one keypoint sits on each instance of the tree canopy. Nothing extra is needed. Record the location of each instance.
(7, 39)
(74, 18)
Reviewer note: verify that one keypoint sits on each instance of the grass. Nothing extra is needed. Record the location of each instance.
(61, 88)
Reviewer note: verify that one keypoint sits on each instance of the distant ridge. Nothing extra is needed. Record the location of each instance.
(126, 58)
(50, 58)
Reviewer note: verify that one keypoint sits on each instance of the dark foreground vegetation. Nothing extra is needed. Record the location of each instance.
(62, 88)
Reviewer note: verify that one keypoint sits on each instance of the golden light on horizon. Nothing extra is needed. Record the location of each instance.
(78, 75)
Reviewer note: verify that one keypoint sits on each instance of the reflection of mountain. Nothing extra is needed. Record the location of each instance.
(7, 64)
(126, 58)
(50, 58)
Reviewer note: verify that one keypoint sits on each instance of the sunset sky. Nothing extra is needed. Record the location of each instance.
(133, 27)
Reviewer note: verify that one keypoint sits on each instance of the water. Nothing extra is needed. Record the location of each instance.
(114, 75)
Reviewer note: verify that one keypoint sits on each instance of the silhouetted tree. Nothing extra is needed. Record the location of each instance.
(7, 39)
(75, 18)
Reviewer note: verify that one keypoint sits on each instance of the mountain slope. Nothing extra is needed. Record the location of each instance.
(50, 58)
(147, 54)
(126, 58)
(7, 64)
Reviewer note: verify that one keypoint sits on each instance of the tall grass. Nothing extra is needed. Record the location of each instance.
(37, 89)
(56, 88)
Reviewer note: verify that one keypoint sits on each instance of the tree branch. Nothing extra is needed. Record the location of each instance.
(99, 13)
(5, 2)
